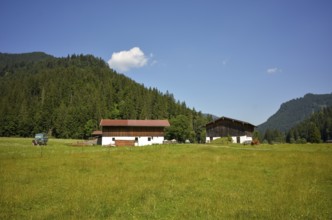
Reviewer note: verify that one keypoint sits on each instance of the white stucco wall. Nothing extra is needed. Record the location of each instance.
(109, 140)
(245, 138)
(242, 139)
(208, 139)
(142, 141)
(234, 139)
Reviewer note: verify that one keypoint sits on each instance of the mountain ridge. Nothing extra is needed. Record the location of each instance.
(295, 111)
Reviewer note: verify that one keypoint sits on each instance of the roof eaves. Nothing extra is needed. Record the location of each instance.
(231, 119)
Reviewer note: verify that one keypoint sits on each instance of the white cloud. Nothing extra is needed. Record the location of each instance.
(125, 60)
(273, 70)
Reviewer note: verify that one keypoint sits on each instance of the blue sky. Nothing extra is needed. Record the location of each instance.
(233, 58)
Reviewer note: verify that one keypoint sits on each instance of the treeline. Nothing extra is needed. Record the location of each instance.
(316, 129)
(67, 97)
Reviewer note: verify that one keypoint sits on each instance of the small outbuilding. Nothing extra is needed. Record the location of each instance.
(97, 135)
(240, 131)
(133, 132)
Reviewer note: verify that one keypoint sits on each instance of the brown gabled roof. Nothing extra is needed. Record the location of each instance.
(230, 119)
(134, 123)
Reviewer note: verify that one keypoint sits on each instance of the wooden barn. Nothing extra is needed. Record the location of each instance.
(132, 132)
(240, 131)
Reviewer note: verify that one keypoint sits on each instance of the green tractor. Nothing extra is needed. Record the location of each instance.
(40, 139)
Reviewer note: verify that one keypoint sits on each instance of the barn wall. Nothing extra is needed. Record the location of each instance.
(132, 131)
(226, 128)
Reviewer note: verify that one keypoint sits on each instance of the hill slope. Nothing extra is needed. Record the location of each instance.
(67, 97)
(10, 61)
(295, 111)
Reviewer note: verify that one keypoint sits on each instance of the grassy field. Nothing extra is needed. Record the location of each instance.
(164, 182)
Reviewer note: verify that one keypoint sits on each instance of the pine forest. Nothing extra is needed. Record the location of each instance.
(67, 97)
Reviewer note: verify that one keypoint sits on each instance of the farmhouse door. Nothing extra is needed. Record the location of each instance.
(121, 143)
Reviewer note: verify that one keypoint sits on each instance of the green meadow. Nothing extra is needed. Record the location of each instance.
(185, 181)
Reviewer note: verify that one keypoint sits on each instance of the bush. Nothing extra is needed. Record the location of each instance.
(301, 141)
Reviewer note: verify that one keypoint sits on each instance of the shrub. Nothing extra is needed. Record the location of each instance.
(223, 140)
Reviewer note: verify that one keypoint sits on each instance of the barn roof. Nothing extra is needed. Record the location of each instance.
(229, 119)
(134, 123)
(96, 133)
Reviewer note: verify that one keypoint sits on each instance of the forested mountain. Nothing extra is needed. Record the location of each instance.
(315, 129)
(295, 111)
(10, 61)
(67, 97)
